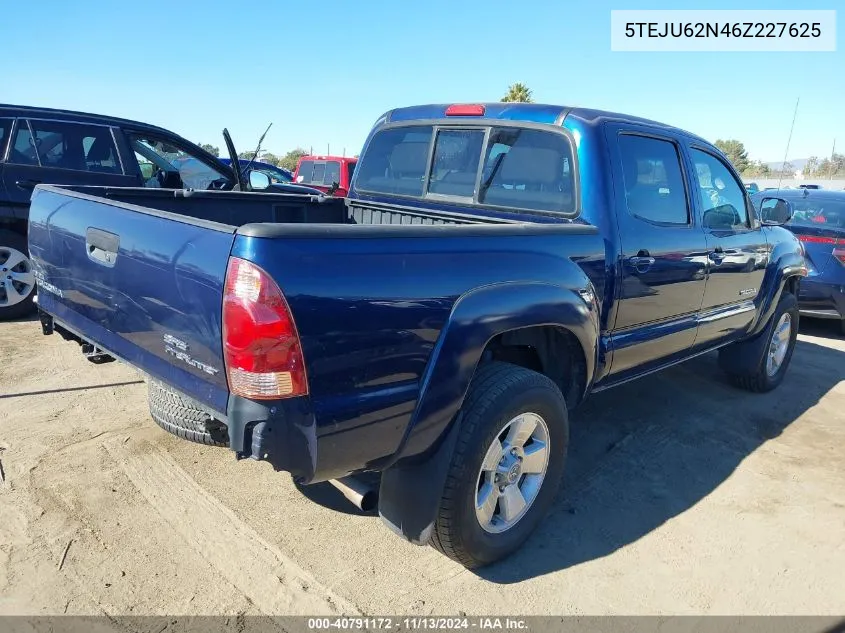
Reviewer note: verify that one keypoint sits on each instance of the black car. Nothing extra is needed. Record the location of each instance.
(41, 145)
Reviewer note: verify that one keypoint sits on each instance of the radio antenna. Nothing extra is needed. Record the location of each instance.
(788, 141)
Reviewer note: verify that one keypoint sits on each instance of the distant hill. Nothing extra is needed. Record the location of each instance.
(797, 163)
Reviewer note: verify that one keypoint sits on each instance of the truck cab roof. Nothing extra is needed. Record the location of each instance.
(523, 112)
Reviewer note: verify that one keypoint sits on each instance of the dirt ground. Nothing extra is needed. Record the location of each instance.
(682, 495)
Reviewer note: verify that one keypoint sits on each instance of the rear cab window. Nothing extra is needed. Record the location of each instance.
(318, 172)
(499, 166)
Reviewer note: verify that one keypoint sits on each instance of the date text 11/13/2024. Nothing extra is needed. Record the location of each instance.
(372, 623)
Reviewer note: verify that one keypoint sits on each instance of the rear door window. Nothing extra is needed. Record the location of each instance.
(23, 147)
(508, 167)
(66, 145)
(654, 181)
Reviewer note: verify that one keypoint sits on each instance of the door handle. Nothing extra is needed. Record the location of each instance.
(102, 246)
(27, 185)
(641, 262)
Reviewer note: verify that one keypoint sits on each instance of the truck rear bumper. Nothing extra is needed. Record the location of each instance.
(281, 432)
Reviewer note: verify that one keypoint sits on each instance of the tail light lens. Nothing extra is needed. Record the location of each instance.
(838, 245)
(261, 346)
(815, 239)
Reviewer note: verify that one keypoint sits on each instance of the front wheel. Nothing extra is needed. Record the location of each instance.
(507, 465)
(17, 280)
(770, 354)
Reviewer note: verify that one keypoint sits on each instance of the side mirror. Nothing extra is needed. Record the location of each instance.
(258, 180)
(776, 211)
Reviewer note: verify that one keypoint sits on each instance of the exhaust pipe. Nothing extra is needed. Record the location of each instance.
(363, 496)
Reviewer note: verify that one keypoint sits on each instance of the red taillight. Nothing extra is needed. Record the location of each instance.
(261, 346)
(815, 239)
(465, 110)
(839, 253)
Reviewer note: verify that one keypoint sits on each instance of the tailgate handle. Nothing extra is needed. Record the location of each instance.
(102, 246)
(27, 185)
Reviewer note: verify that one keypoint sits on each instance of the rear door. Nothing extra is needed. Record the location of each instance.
(737, 249)
(144, 285)
(663, 258)
(62, 153)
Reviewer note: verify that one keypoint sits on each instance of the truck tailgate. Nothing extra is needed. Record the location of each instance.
(143, 285)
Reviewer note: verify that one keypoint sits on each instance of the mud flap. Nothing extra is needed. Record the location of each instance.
(410, 491)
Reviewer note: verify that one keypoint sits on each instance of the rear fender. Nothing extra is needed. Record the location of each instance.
(413, 482)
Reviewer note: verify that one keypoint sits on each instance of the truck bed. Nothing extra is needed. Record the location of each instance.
(238, 209)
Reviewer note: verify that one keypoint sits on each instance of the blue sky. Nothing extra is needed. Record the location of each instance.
(323, 72)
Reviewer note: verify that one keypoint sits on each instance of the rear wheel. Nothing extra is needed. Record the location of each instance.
(17, 280)
(507, 465)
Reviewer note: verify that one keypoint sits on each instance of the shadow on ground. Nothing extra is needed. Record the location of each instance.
(643, 453)
(66, 389)
(823, 328)
(331, 498)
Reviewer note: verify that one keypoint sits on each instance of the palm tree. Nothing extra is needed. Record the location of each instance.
(518, 92)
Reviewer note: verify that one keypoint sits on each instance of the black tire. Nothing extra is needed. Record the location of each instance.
(176, 415)
(755, 378)
(499, 392)
(18, 242)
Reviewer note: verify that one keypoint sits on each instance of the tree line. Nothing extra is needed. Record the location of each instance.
(832, 167)
(287, 161)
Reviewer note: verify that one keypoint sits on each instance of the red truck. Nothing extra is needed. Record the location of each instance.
(331, 174)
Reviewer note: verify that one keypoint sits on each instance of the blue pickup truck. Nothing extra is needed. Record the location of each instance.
(492, 265)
